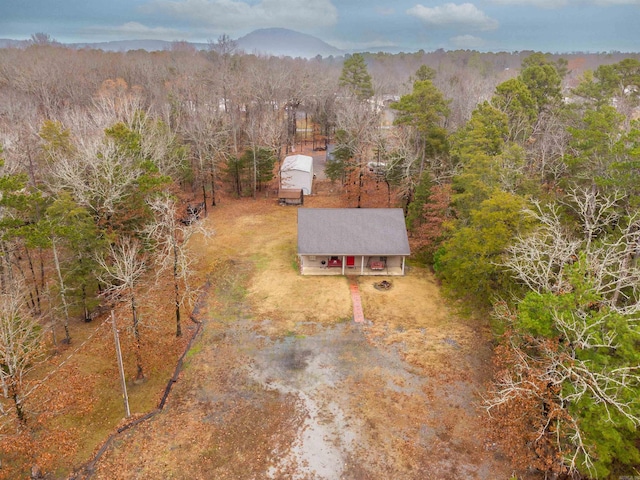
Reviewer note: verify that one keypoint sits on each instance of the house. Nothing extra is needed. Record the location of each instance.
(358, 241)
(296, 173)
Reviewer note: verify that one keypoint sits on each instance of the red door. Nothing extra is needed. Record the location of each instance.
(351, 262)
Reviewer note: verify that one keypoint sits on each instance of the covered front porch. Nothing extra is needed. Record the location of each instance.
(352, 265)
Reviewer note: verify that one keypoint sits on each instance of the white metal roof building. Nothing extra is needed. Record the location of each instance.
(296, 173)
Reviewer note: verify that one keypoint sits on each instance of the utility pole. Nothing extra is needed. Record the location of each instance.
(120, 366)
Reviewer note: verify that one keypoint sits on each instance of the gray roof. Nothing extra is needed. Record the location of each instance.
(352, 231)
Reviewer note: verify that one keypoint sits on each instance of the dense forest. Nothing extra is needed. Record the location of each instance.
(517, 173)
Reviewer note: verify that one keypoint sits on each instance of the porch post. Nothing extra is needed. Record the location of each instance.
(362, 265)
(403, 265)
(344, 260)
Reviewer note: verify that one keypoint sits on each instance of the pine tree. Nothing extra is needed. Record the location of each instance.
(355, 77)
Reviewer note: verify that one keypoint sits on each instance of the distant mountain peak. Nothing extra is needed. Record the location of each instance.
(285, 42)
(277, 42)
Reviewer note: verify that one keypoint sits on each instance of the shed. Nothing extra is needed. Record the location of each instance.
(296, 173)
(359, 241)
(290, 197)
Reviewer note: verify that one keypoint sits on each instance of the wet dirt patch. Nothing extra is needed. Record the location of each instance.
(368, 413)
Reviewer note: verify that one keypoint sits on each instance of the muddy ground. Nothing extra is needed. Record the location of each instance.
(283, 384)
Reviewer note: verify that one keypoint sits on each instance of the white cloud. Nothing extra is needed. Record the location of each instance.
(467, 41)
(136, 30)
(465, 15)
(231, 15)
(551, 4)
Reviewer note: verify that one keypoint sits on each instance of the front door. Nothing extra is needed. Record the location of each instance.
(351, 262)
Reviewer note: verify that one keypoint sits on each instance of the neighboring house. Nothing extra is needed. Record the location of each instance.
(296, 173)
(358, 241)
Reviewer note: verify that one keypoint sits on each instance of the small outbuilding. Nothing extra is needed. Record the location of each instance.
(358, 241)
(290, 197)
(296, 173)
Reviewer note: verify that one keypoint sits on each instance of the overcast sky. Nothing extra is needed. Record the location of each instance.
(402, 25)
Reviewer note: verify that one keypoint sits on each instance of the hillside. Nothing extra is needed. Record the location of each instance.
(285, 42)
(267, 41)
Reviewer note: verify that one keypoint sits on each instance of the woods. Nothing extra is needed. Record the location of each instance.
(517, 174)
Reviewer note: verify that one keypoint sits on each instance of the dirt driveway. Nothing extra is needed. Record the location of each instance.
(284, 385)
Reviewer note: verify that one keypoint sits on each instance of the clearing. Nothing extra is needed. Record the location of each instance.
(283, 384)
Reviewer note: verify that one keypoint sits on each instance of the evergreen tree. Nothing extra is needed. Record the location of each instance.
(355, 77)
(469, 261)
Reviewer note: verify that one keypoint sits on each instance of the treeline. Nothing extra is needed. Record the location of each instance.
(517, 179)
(529, 213)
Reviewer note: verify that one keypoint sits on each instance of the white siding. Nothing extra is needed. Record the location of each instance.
(297, 173)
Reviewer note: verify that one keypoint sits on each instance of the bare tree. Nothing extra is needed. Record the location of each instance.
(596, 211)
(21, 344)
(568, 343)
(100, 176)
(171, 238)
(558, 374)
(539, 259)
(359, 124)
(122, 271)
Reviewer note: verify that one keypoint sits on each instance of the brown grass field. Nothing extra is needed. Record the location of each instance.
(281, 383)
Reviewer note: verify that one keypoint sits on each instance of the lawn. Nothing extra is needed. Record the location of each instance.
(285, 385)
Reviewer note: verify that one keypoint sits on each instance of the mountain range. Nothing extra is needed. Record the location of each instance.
(266, 41)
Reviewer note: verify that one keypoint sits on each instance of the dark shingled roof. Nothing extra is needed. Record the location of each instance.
(352, 231)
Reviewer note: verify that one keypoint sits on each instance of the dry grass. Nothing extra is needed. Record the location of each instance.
(411, 319)
(218, 420)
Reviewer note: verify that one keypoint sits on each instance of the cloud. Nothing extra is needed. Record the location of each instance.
(548, 4)
(467, 41)
(231, 15)
(135, 30)
(465, 15)
(551, 4)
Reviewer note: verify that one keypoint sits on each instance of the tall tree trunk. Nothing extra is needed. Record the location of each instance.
(238, 182)
(41, 270)
(63, 296)
(360, 186)
(255, 173)
(213, 185)
(32, 300)
(85, 308)
(4, 267)
(177, 288)
(35, 280)
(204, 198)
(17, 402)
(136, 336)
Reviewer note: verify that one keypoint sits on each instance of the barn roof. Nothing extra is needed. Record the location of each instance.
(352, 231)
(303, 163)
